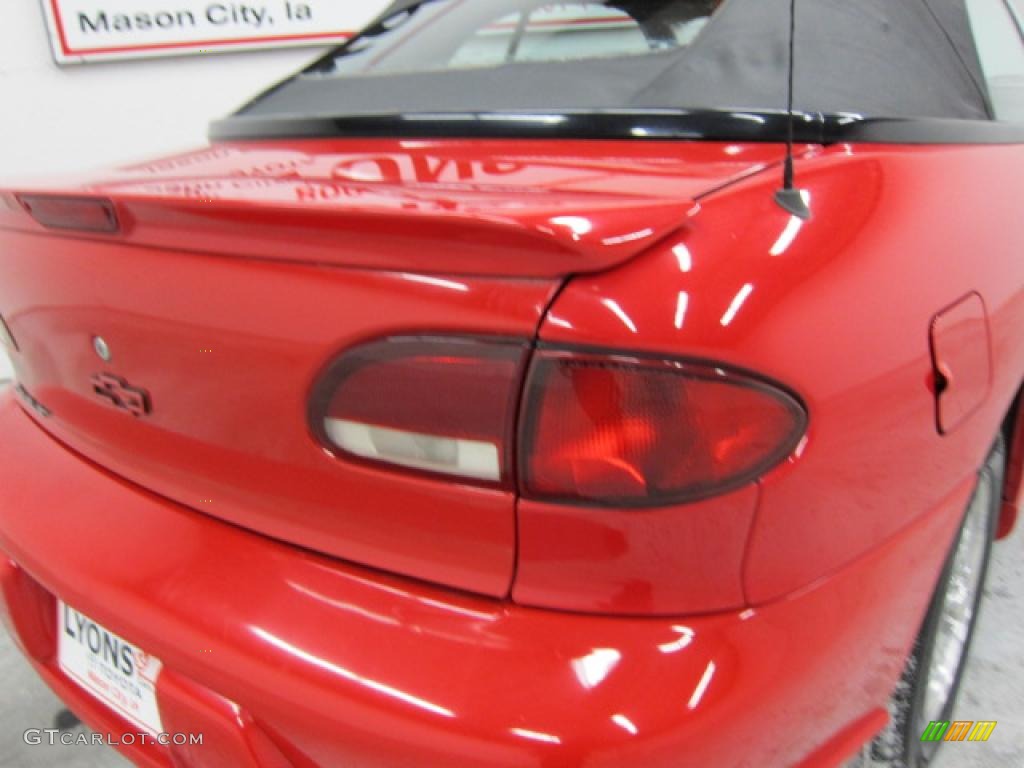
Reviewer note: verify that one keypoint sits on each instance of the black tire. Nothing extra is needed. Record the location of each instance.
(900, 744)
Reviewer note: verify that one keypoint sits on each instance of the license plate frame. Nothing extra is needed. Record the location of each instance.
(113, 670)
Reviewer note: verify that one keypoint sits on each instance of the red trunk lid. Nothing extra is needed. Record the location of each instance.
(242, 270)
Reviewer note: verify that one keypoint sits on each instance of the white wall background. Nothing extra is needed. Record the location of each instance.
(83, 116)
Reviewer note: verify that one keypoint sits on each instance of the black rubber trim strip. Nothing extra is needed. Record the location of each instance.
(638, 124)
(692, 125)
(925, 131)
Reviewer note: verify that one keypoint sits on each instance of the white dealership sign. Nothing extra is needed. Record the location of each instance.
(89, 30)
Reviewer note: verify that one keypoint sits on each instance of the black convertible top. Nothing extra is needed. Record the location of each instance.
(873, 58)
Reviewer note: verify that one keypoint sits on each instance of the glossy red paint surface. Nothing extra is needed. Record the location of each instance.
(338, 244)
(839, 309)
(228, 353)
(243, 271)
(326, 664)
(456, 207)
(674, 560)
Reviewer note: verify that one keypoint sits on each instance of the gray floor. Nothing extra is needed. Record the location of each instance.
(994, 688)
(994, 684)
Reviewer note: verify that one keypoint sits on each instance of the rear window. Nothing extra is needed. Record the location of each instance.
(446, 34)
(485, 60)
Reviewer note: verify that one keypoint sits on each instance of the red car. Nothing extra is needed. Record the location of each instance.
(498, 392)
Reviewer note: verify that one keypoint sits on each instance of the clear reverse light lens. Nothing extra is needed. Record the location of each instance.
(452, 456)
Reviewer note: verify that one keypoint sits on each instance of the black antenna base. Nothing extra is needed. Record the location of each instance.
(792, 201)
(789, 198)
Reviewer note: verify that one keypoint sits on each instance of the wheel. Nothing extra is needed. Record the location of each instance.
(931, 679)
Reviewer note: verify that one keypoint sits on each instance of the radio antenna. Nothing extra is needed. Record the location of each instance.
(789, 197)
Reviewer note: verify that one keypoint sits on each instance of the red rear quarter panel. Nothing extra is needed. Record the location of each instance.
(839, 309)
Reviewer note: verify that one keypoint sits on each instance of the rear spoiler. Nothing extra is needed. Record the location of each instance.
(366, 226)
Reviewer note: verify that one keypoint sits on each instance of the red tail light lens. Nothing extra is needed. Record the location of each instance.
(438, 405)
(631, 431)
(82, 214)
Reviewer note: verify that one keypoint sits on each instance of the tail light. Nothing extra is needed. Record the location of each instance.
(632, 431)
(438, 405)
(81, 214)
(594, 428)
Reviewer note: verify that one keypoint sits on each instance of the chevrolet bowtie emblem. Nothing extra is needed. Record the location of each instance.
(121, 394)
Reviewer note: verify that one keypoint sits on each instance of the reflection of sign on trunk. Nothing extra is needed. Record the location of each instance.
(88, 30)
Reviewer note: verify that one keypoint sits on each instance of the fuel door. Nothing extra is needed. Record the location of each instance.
(961, 355)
